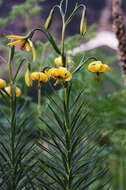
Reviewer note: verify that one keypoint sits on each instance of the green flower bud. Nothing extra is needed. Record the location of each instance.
(28, 79)
(83, 23)
(49, 19)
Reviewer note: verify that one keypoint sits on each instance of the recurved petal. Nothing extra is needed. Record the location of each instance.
(69, 77)
(104, 68)
(15, 37)
(15, 43)
(33, 49)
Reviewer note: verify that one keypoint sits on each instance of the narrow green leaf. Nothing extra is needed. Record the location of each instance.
(53, 131)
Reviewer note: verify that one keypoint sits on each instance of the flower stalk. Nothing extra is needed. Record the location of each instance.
(62, 42)
(11, 55)
(12, 114)
(39, 98)
(68, 137)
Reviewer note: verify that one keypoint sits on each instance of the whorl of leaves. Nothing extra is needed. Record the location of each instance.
(69, 152)
(17, 158)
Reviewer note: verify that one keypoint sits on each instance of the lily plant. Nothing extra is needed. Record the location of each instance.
(67, 156)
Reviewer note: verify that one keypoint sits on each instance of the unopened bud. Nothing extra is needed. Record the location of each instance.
(83, 23)
(28, 80)
(49, 19)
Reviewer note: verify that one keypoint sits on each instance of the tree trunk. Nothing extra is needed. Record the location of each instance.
(120, 31)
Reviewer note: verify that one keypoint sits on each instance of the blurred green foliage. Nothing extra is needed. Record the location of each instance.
(25, 10)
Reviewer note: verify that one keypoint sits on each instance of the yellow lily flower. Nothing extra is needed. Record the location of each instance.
(60, 73)
(98, 67)
(24, 42)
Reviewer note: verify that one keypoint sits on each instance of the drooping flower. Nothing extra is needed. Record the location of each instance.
(2, 83)
(98, 67)
(39, 76)
(60, 73)
(24, 42)
(58, 62)
(8, 90)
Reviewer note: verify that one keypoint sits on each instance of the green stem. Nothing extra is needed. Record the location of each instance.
(39, 99)
(62, 42)
(62, 39)
(68, 139)
(12, 116)
(121, 174)
(11, 79)
(39, 84)
(65, 96)
(48, 35)
(83, 62)
(13, 155)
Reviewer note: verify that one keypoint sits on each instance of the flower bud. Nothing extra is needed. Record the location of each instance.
(49, 19)
(18, 91)
(58, 62)
(28, 80)
(83, 23)
(2, 83)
